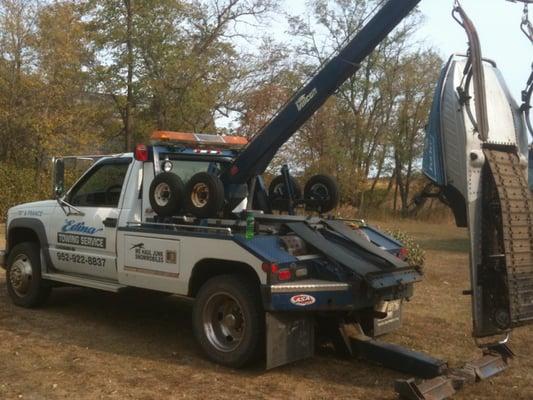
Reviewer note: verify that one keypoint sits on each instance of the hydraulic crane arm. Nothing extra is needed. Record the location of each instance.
(261, 150)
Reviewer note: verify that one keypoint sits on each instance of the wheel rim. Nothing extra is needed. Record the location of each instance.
(279, 190)
(200, 195)
(320, 191)
(162, 194)
(20, 275)
(224, 322)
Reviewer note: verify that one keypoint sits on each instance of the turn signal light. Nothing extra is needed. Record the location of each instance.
(141, 152)
(279, 274)
(284, 275)
(270, 267)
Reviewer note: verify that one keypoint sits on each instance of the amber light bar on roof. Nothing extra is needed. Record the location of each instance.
(198, 139)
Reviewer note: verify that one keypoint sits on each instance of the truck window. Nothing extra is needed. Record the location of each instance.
(102, 186)
(186, 169)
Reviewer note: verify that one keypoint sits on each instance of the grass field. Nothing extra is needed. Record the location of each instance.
(90, 345)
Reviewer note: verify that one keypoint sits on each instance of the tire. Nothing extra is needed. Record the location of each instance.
(226, 294)
(324, 190)
(166, 194)
(278, 195)
(205, 195)
(25, 285)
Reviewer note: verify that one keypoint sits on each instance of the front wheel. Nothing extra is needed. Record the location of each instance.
(228, 320)
(23, 274)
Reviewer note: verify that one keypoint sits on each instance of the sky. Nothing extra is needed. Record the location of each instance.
(498, 24)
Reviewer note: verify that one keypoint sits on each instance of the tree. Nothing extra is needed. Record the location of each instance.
(17, 27)
(170, 64)
(416, 79)
(358, 134)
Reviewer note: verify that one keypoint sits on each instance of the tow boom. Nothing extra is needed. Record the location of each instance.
(259, 153)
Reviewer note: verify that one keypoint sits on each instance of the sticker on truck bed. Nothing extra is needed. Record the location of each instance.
(303, 300)
(150, 255)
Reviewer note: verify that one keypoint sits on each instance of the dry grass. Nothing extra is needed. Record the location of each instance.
(89, 345)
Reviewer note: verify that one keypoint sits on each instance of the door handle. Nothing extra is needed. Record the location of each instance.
(110, 222)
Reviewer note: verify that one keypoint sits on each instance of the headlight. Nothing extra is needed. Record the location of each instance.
(167, 166)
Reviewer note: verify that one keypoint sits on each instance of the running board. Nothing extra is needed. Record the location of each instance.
(84, 282)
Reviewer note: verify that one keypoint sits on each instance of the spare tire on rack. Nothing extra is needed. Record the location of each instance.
(322, 193)
(166, 194)
(277, 193)
(205, 195)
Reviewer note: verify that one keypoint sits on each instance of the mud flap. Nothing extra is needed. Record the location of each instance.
(289, 337)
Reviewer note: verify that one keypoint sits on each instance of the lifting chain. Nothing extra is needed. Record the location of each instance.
(527, 25)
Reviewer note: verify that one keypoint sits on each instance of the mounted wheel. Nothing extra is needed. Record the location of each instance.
(322, 192)
(228, 320)
(278, 195)
(166, 194)
(205, 195)
(25, 285)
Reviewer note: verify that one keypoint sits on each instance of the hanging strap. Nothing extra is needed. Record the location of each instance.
(474, 73)
(527, 26)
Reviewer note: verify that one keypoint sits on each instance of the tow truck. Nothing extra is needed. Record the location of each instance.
(191, 215)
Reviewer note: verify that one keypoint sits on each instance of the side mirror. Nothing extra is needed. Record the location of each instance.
(58, 174)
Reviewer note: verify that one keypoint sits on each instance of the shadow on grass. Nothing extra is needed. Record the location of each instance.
(457, 245)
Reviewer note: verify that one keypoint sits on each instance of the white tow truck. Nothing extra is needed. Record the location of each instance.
(103, 233)
(191, 215)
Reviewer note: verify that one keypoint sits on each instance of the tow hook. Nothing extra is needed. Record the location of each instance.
(438, 380)
(495, 360)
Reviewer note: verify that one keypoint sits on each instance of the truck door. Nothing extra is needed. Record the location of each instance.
(86, 243)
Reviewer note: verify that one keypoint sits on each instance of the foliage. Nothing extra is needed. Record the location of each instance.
(20, 185)
(373, 127)
(93, 76)
(416, 256)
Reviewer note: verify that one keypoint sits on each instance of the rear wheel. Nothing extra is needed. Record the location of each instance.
(23, 274)
(228, 320)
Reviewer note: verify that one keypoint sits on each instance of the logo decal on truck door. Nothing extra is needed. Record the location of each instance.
(79, 227)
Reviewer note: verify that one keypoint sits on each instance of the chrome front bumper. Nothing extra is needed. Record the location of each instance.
(3, 259)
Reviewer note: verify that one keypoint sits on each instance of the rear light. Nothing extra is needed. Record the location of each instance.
(284, 275)
(141, 152)
(403, 253)
(277, 273)
(270, 267)
(234, 170)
